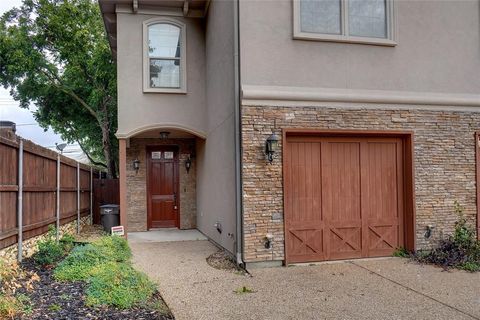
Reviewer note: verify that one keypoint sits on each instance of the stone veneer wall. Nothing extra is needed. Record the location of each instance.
(30, 246)
(444, 157)
(137, 183)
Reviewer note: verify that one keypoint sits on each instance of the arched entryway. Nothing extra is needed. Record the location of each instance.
(158, 182)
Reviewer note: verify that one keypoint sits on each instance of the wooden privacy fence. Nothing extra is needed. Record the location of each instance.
(39, 187)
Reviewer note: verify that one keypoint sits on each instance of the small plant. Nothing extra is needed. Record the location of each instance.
(50, 251)
(54, 307)
(243, 290)
(119, 285)
(461, 250)
(401, 253)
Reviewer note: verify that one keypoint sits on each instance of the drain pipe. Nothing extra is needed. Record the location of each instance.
(238, 138)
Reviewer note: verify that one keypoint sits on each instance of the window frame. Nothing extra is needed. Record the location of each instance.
(390, 40)
(183, 54)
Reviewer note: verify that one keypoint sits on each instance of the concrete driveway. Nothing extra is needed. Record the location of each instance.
(390, 288)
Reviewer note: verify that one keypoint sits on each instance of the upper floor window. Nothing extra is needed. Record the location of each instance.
(164, 56)
(359, 21)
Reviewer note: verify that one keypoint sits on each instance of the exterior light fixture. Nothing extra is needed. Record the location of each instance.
(271, 146)
(188, 163)
(136, 165)
(164, 135)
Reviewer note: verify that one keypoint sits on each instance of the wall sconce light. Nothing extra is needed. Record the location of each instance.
(188, 163)
(428, 231)
(268, 241)
(271, 146)
(136, 165)
(164, 135)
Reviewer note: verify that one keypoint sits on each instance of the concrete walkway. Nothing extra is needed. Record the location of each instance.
(390, 288)
(165, 235)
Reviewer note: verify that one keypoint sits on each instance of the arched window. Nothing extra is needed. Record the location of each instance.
(164, 56)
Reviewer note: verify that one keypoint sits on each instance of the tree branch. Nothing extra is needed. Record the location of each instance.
(72, 94)
(74, 133)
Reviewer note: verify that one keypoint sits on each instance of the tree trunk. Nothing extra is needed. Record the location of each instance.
(107, 150)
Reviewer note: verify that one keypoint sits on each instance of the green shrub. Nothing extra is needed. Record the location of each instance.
(119, 285)
(115, 247)
(67, 241)
(401, 253)
(50, 251)
(81, 261)
(78, 265)
(461, 250)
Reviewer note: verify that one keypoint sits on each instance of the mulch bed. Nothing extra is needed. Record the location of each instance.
(66, 300)
(222, 260)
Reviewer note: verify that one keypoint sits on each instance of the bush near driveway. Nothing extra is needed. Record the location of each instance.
(105, 266)
(118, 284)
(83, 260)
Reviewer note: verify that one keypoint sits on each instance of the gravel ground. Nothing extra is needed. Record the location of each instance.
(391, 288)
(65, 300)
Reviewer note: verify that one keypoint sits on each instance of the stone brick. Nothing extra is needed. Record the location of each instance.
(444, 153)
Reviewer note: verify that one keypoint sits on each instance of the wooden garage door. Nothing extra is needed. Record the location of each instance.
(343, 197)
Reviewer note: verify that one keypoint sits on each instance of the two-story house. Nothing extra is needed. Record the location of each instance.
(298, 130)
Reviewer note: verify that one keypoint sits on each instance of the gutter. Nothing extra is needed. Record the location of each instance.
(238, 137)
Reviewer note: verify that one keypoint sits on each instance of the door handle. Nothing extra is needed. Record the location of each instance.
(175, 200)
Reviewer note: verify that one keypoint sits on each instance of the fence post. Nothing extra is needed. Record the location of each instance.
(58, 197)
(78, 197)
(20, 202)
(91, 195)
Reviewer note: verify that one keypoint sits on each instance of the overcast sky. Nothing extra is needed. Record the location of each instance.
(27, 127)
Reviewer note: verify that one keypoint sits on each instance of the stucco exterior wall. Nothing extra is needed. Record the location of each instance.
(437, 50)
(136, 109)
(216, 154)
(444, 164)
(137, 183)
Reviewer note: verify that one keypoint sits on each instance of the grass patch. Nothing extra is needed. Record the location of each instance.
(119, 285)
(81, 262)
(105, 265)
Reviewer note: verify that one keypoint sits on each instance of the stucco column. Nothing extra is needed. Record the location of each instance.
(122, 144)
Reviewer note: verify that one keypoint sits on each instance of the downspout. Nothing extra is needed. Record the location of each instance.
(238, 137)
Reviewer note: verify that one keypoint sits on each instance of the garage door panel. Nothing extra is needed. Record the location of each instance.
(382, 239)
(344, 242)
(304, 184)
(306, 243)
(341, 181)
(382, 195)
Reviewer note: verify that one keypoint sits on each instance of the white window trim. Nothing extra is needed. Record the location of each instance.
(391, 28)
(183, 56)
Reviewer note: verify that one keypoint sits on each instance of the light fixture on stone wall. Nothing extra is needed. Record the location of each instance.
(164, 135)
(136, 165)
(271, 146)
(188, 163)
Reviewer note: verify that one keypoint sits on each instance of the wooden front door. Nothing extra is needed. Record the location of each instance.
(162, 187)
(343, 197)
